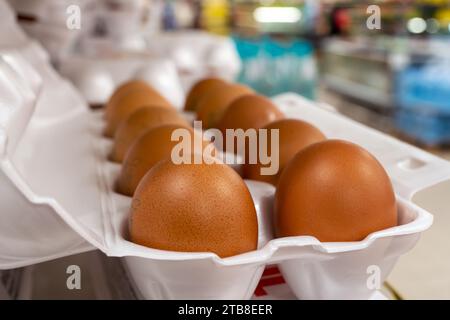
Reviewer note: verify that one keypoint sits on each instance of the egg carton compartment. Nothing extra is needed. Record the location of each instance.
(313, 270)
(272, 285)
(58, 199)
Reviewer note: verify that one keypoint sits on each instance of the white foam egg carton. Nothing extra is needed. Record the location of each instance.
(96, 77)
(171, 62)
(57, 199)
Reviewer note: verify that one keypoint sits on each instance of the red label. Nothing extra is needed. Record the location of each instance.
(270, 277)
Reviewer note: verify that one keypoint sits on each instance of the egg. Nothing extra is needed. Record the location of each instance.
(127, 86)
(139, 121)
(151, 147)
(248, 112)
(213, 104)
(129, 102)
(194, 208)
(199, 90)
(294, 135)
(335, 191)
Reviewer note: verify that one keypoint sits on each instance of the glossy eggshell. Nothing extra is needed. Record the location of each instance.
(151, 147)
(335, 191)
(140, 121)
(212, 105)
(129, 102)
(194, 208)
(199, 90)
(249, 112)
(294, 135)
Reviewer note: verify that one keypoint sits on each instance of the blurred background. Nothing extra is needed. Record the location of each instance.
(384, 63)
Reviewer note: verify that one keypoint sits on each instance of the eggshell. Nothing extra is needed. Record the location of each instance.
(125, 87)
(335, 191)
(294, 135)
(140, 121)
(199, 90)
(127, 103)
(248, 112)
(212, 105)
(151, 147)
(194, 208)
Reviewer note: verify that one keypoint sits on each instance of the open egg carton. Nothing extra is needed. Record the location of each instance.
(58, 199)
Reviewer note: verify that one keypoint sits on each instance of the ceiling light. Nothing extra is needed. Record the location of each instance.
(277, 15)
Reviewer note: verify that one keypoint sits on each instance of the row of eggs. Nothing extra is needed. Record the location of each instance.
(330, 189)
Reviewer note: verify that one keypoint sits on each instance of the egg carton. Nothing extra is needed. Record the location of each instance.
(308, 266)
(313, 270)
(171, 62)
(58, 199)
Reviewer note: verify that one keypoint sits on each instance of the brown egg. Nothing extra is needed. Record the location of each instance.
(129, 102)
(127, 86)
(294, 135)
(140, 121)
(194, 208)
(248, 112)
(335, 191)
(199, 90)
(151, 147)
(212, 106)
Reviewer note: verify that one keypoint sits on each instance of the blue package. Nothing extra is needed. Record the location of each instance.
(271, 67)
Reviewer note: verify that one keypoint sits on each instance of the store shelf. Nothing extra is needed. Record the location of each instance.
(358, 91)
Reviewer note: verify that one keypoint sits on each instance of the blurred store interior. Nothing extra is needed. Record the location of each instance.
(384, 63)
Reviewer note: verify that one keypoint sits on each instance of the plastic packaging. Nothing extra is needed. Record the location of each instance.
(32, 96)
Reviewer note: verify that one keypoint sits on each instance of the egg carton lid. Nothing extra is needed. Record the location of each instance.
(29, 226)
